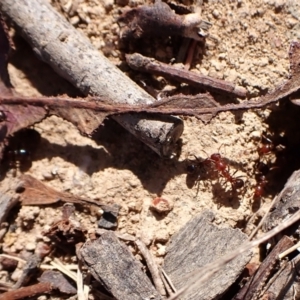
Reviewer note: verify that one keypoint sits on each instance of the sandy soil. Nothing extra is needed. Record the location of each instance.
(248, 45)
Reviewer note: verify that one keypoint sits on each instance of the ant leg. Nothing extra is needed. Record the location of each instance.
(198, 187)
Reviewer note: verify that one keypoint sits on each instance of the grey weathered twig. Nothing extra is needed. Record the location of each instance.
(73, 57)
(151, 266)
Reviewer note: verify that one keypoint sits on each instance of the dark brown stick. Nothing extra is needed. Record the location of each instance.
(73, 57)
(92, 103)
(145, 64)
(28, 291)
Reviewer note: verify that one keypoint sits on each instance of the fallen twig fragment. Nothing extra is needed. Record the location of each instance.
(28, 291)
(29, 270)
(286, 203)
(73, 57)
(7, 202)
(285, 283)
(160, 20)
(145, 64)
(152, 267)
(256, 283)
(184, 105)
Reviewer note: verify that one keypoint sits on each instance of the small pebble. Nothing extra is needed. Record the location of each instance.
(135, 205)
(216, 13)
(30, 246)
(161, 251)
(135, 219)
(161, 205)
(162, 235)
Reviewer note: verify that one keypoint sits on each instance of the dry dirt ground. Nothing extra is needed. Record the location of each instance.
(248, 45)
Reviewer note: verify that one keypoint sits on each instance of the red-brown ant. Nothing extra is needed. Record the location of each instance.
(219, 165)
(260, 187)
(236, 182)
(261, 179)
(274, 145)
(223, 168)
(266, 147)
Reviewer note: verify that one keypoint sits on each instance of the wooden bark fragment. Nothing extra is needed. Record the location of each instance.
(58, 281)
(286, 203)
(113, 265)
(286, 285)
(29, 270)
(198, 243)
(8, 198)
(256, 283)
(7, 202)
(160, 20)
(73, 57)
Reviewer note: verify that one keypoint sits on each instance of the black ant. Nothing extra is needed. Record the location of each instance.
(20, 147)
(195, 169)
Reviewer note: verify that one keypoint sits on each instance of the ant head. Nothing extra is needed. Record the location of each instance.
(215, 156)
(191, 169)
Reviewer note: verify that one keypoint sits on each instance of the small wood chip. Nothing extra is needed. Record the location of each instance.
(198, 243)
(113, 265)
(259, 279)
(58, 281)
(286, 204)
(286, 285)
(7, 201)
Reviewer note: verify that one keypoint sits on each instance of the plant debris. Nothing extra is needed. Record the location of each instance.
(160, 20)
(145, 64)
(66, 231)
(34, 192)
(58, 281)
